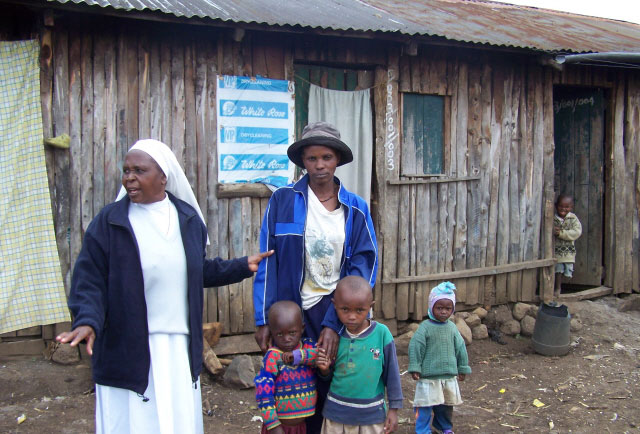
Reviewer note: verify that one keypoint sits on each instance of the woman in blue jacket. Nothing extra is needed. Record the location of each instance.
(137, 296)
(320, 232)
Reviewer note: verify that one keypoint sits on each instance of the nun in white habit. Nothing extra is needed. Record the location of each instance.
(136, 297)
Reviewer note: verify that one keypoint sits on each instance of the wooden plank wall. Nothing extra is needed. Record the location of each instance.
(497, 130)
(109, 83)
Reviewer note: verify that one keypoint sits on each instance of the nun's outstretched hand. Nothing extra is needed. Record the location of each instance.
(254, 260)
(77, 335)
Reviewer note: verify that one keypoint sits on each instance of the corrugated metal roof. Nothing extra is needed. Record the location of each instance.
(473, 21)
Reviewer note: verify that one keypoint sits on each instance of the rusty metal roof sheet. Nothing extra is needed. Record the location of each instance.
(475, 21)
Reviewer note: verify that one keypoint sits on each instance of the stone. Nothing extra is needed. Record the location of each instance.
(527, 324)
(533, 311)
(510, 327)
(240, 372)
(413, 327)
(472, 320)
(462, 315)
(490, 320)
(520, 310)
(211, 332)
(464, 330)
(503, 314)
(402, 343)
(480, 332)
(210, 359)
(65, 354)
(631, 302)
(575, 325)
(480, 311)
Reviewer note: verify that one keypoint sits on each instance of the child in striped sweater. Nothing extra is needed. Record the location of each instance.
(286, 384)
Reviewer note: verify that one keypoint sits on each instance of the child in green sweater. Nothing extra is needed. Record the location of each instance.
(437, 360)
(366, 366)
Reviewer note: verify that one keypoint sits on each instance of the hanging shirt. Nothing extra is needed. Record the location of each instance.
(164, 265)
(323, 245)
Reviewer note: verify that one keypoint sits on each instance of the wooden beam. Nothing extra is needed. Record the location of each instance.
(475, 272)
(238, 344)
(31, 347)
(243, 190)
(587, 294)
(432, 181)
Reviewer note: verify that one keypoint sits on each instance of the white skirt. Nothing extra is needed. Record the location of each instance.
(436, 392)
(174, 405)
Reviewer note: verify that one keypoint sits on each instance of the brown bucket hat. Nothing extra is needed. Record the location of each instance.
(323, 134)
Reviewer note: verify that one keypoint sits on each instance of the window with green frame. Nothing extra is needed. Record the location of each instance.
(423, 128)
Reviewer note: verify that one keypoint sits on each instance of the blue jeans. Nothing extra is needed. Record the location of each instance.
(441, 418)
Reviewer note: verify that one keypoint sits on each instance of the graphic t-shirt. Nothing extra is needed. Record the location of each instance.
(323, 245)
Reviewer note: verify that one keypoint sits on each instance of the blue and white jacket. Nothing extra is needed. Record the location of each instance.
(280, 276)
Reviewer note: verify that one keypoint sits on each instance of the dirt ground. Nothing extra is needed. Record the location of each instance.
(593, 389)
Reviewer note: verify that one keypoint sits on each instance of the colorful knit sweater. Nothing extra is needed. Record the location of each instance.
(287, 391)
(437, 351)
(570, 230)
(365, 367)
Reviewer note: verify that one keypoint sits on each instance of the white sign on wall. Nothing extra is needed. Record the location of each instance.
(256, 125)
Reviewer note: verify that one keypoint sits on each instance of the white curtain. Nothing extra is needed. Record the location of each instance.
(350, 112)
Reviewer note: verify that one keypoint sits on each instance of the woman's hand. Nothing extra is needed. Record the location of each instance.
(328, 341)
(391, 424)
(415, 376)
(461, 377)
(254, 260)
(77, 335)
(262, 337)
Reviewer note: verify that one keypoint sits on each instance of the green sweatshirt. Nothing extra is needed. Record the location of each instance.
(437, 351)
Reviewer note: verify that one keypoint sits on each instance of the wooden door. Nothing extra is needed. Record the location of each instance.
(579, 160)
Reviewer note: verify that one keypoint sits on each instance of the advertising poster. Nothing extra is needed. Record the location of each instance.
(256, 125)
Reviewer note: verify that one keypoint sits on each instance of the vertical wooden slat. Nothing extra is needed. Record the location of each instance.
(133, 90)
(60, 110)
(208, 140)
(177, 101)
(485, 170)
(462, 149)
(402, 291)
(622, 264)
(122, 97)
(514, 280)
(155, 88)
(164, 127)
(144, 89)
(190, 145)
(503, 228)
(474, 143)
(99, 122)
(87, 147)
(526, 175)
(75, 149)
(111, 168)
(546, 284)
(46, 82)
(235, 250)
(490, 296)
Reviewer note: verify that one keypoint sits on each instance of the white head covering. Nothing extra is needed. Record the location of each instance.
(443, 291)
(177, 183)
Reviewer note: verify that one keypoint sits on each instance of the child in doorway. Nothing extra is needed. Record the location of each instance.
(365, 366)
(566, 229)
(437, 360)
(286, 384)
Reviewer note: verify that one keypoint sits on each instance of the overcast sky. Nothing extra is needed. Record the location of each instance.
(626, 10)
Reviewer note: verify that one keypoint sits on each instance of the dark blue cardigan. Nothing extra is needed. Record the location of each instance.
(107, 293)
